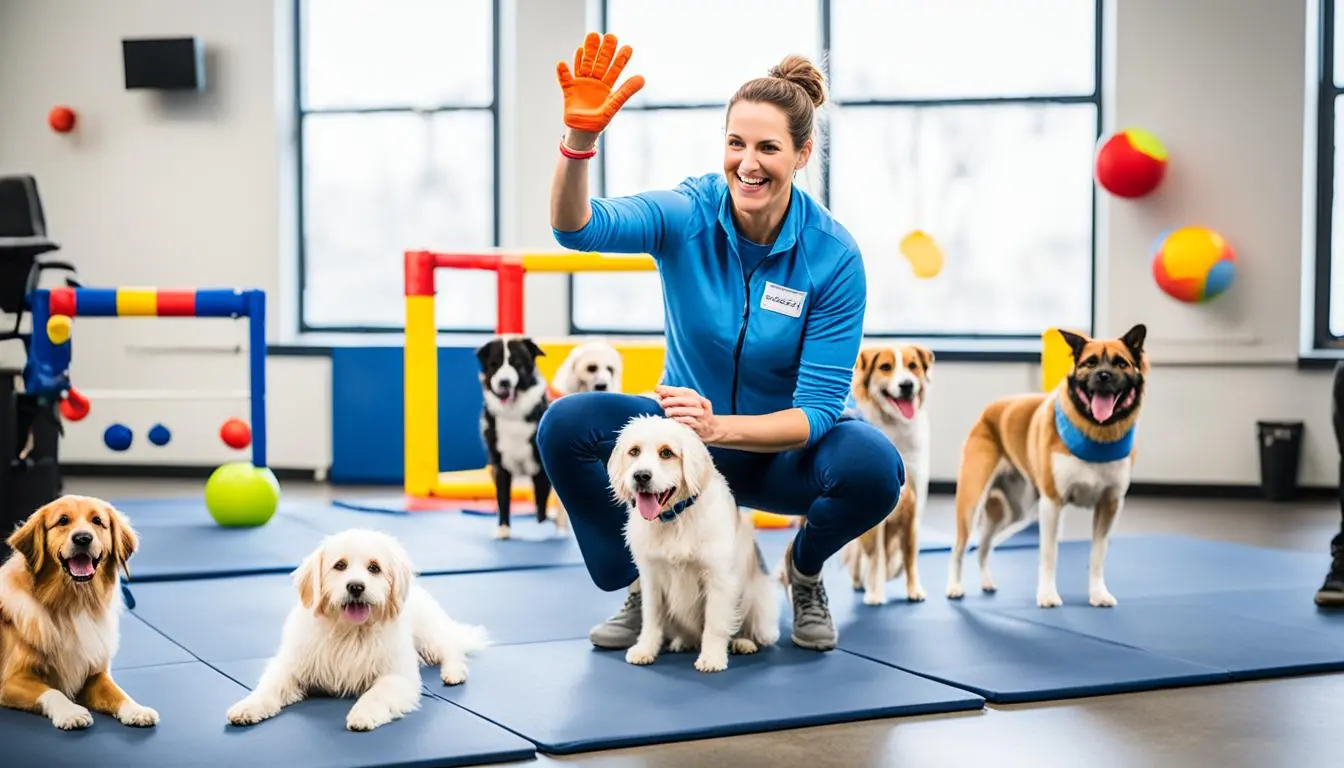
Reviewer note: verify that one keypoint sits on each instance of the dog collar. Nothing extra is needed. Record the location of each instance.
(1086, 448)
(671, 513)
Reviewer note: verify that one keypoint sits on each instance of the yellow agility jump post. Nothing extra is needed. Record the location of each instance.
(1056, 359)
(423, 480)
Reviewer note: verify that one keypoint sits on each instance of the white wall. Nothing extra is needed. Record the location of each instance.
(1222, 82)
(178, 192)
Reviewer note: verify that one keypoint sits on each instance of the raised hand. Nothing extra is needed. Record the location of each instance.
(590, 102)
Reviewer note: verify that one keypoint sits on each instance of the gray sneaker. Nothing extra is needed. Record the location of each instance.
(812, 625)
(622, 630)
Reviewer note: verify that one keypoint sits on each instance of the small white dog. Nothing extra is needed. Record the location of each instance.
(704, 582)
(361, 629)
(594, 366)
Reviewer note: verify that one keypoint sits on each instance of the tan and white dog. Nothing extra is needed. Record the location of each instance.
(889, 389)
(1030, 455)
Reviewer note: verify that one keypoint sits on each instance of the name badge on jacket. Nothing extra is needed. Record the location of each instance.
(785, 301)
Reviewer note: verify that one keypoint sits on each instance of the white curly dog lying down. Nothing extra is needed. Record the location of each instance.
(362, 628)
(704, 583)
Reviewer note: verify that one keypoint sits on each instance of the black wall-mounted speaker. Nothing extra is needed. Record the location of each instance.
(164, 63)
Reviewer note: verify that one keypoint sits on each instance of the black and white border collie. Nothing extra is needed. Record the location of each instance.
(515, 399)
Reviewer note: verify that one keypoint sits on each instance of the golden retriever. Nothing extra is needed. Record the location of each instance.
(60, 611)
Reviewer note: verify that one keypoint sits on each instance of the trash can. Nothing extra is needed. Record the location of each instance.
(1280, 455)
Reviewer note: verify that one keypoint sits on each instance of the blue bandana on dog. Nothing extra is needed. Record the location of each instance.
(1086, 448)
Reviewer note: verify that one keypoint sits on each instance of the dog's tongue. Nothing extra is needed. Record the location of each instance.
(1102, 406)
(81, 565)
(906, 407)
(356, 612)
(648, 505)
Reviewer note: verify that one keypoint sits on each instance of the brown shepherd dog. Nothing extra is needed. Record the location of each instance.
(1027, 456)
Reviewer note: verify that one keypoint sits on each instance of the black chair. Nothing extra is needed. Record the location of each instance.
(30, 426)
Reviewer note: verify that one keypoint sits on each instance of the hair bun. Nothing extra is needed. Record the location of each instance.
(801, 71)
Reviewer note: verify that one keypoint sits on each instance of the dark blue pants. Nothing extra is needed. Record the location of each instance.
(844, 484)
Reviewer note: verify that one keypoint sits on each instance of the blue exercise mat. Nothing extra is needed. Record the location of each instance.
(143, 646)
(526, 606)
(1219, 630)
(567, 697)
(453, 542)
(1182, 605)
(1009, 660)
(219, 619)
(436, 734)
(197, 550)
(191, 700)
(1136, 566)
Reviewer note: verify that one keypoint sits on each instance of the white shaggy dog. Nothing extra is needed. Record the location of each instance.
(703, 580)
(361, 629)
(594, 366)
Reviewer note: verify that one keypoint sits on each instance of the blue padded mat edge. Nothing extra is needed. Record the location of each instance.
(192, 699)
(536, 690)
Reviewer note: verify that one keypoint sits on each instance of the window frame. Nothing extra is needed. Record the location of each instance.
(299, 112)
(825, 25)
(1326, 94)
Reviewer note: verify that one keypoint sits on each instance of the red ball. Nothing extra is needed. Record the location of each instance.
(236, 434)
(61, 119)
(1131, 163)
(74, 406)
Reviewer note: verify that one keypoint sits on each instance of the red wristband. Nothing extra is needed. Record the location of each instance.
(573, 154)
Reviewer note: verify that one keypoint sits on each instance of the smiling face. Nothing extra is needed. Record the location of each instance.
(355, 577)
(1106, 384)
(81, 538)
(656, 463)
(508, 367)
(759, 158)
(895, 379)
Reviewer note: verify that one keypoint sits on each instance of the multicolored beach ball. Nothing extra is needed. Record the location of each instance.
(1193, 264)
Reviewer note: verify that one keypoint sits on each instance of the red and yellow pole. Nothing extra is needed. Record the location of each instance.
(422, 376)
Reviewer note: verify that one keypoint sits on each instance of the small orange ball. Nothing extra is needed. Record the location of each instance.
(61, 119)
(236, 434)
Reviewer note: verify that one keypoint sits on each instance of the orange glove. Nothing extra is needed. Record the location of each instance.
(589, 101)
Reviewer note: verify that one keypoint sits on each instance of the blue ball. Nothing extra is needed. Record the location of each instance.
(159, 435)
(117, 437)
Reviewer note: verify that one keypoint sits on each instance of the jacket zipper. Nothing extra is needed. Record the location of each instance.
(746, 316)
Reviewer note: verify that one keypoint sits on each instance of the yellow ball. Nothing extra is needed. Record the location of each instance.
(923, 253)
(58, 329)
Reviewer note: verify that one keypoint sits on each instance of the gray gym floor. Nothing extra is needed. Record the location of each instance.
(1288, 722)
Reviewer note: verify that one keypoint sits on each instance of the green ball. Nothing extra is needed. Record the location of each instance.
(240, 495)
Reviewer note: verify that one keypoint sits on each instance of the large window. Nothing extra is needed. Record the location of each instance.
(1329, 300)
(397, 149)
(973, 120)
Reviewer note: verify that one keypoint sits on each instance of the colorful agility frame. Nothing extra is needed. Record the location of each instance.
(423, 479)
(48, 369)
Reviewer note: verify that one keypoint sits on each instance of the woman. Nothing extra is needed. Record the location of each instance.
(765, 296)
